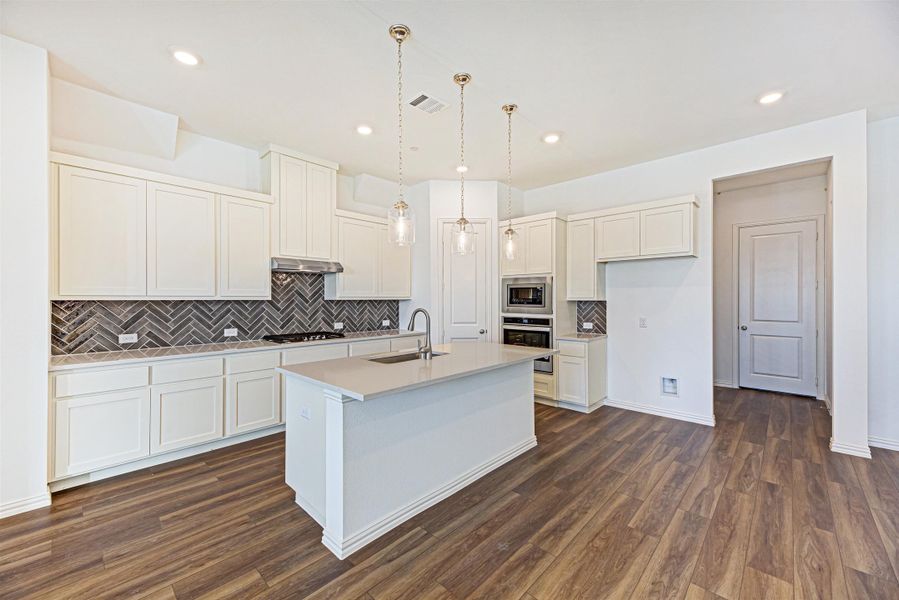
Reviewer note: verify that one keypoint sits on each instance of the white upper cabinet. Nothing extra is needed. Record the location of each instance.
(517, 265)
(180, 241)
(535, 253)
(101, 234)
(306, 197)
(666, 230)
(586, 278)
(372, 267)
(244, 261)
(618, 236)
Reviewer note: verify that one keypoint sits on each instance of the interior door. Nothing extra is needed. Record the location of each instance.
(777, 324)
(465, 290)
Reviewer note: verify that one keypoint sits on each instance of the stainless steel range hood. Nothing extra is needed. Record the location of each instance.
(305, 265)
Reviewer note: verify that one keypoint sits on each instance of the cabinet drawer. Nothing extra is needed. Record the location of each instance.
(186, 370)
(313, 354)
(572, 349)
(254, 361)
(369, 347)
(92, 382)
(406, 343)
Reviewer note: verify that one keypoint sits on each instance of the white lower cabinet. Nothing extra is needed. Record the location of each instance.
(253, 401)
(185, 413)
(582, 372)
(369, 347)
(573, 380)
(97, 431)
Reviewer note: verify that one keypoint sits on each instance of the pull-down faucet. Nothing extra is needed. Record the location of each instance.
(423, 351)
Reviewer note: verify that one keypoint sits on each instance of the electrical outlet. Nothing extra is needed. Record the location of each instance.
(669, 386)
(385, 323)
(231, 332)
(338, 325)
(588, 325)
(642, 323)
(128, 338)
(305, 413)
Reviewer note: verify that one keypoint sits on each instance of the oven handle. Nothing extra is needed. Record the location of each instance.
(528, 328)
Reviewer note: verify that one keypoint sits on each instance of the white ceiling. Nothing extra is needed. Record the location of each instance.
(624, 82)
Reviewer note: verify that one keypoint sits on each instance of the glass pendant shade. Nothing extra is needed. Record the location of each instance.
(401, 224)
(510, 243)
(463, 237)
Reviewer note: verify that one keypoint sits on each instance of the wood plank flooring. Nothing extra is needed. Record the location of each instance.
(614, 504)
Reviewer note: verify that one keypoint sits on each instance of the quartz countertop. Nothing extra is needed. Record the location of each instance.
(123, 357)
(362, 379)
(579, 337)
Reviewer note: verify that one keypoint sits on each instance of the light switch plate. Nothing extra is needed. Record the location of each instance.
(588, 325)
(231, 332)
(385, 323)
(305, 412)
(338, 325)
(128, 338)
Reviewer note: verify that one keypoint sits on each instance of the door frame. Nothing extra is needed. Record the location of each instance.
(820, 296)
(492, 279)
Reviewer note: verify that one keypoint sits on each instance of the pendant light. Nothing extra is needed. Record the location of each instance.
(463, 233)
(510, 236)
(400, 217)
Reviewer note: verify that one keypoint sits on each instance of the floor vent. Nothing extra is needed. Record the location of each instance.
(428, 104)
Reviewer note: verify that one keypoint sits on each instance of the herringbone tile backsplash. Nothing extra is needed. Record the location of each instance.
(297, 304)
(591, 312)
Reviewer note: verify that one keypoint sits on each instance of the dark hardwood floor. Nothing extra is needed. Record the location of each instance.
(614, 504)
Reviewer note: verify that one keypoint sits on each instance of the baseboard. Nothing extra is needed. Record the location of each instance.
(662, 412)
(356, 541)
(851, 449)
(569, 405)
(309, 510)
(725, 384)
(826, 400)
(152, 461)
(882, 442)
(15, 507)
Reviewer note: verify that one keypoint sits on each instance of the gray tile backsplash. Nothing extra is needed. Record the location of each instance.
(591, 312)
(297, 304)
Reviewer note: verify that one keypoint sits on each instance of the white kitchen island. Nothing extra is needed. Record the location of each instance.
(369, 445)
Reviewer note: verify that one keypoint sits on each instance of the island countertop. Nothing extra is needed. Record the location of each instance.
(362, 379)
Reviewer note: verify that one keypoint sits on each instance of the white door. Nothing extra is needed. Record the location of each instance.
(465, 290)
(777, 307)
(581, 261)
(666, 230)
(618, 236)
(244, 269)
(539, 247)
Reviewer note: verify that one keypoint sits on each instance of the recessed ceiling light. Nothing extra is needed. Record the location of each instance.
(771, 97)
(364, 130)
(185, 57)
(461, 169)
(551, 138)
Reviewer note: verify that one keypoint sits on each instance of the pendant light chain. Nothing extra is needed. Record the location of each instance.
(399, 110)
(509, 178)
(462, 146)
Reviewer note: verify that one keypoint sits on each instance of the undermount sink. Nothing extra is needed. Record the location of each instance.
(398, 358)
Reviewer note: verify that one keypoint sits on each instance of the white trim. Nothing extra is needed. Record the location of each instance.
(108, 167)
(882, 442)
(851, 449)
(265, 150)
(727, 384)
(349, 214)
(342, 549)
(662, 412)
(531, 218)
(827, 403)
(15, 507)
(569, 405)
(68, 482)
(688, 199)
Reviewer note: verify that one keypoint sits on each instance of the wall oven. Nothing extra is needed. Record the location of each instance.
(530, 295)
(533, 332)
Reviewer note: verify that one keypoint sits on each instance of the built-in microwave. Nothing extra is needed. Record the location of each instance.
(533, 332)
(530, 295)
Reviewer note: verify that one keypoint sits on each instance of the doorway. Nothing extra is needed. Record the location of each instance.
(465, 295)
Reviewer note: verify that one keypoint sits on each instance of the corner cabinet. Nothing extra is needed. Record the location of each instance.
(305, 193)
(373, 268)
(123, 233)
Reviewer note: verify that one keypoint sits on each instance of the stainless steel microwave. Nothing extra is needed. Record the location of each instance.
(528, 295)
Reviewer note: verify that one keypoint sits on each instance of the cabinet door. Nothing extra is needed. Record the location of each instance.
(667, 230)
(618, 236)
(185, 413)
(253, 400)
(518, 265)
(244, 260)
(102, 234)
(180, 241)
(102, 430)
(539, 247)
(292, 204)
(321, 198)
(395, 268)
(358, 253)
(406, 343)
(573, 380)
(581, 262)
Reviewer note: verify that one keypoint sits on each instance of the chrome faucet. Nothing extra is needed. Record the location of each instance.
(425, 351)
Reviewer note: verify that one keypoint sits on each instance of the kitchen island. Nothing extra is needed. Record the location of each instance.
(372, 442)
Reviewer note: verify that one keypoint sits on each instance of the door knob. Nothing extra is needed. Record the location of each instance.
(743, 327)
(482, 331)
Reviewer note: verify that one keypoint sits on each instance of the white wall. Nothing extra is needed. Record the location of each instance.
(675, 295)
(24, 276)
(757, 204)
(883, 278)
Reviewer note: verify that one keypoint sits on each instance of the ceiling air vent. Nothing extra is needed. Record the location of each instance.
(428, 104)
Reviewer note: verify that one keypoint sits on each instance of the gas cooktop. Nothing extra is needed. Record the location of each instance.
(305, 336)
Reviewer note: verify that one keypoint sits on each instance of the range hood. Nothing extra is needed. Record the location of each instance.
(305, 265)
